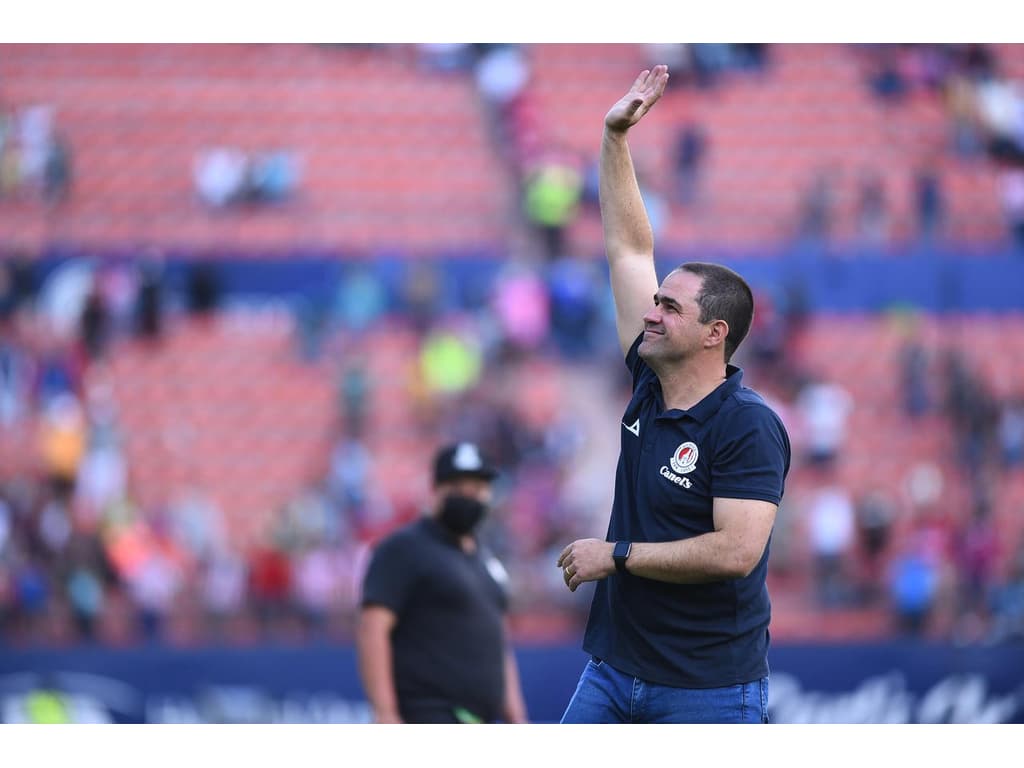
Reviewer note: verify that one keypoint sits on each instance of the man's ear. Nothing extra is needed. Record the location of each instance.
(718, 331)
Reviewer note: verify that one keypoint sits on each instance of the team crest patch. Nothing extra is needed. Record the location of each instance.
(685, 458)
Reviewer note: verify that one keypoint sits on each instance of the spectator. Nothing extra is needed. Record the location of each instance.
(360, 299)
(316, 586)
(875, 518)
(23, 286)
(977, 550)
(95, 324)
(817, 207)
(1011, 431)
(572, 296)
(16, 371)
(1012, 188)
(831, 521)
(354, 398)
(89, 575)
(35, 133)
(929, 203)
(271, 177)
(62, 442)
(972, 410)
(914, 377)
(884, 77)
(102, 479)
(57, 171)
(1008, 602)
(502, 72)
(677, 56)
(204, 289)
(691, 150)
(422, 298)
(149, 309)
(1001, 109)
(521, 305)
(223, 589)
(824, 409)
(968, 138)
(552, 190)
(270, 585)
(450, 361)
(446, 57)
(220, 176)
(872, 211)
(913, 588)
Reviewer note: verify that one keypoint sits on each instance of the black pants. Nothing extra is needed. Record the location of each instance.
(432, 713)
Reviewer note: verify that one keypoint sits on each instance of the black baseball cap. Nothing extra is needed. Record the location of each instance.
(461, 460)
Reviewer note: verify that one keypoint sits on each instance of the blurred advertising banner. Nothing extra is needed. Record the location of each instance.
(834, 683)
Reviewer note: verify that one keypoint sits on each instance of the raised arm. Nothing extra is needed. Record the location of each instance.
(629, 241)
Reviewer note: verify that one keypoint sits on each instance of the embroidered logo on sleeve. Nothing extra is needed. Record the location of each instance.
(634, 427)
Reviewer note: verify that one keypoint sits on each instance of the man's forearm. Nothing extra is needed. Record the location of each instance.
(514, 706)
(627, 230)
(375, 667)
(712, 556)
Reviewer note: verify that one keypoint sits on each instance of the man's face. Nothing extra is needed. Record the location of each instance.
(473, 487)
(672, 328)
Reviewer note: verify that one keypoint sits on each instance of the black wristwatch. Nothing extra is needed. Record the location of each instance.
(620, 553)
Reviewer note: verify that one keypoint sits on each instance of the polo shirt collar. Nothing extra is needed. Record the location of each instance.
(709, 406)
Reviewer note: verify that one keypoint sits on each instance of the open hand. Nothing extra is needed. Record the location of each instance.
(646, 90)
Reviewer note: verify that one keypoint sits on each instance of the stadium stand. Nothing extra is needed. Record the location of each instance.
(224, 475)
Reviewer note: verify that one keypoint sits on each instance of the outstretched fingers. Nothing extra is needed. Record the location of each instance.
(647, 89)
(654, 84)
(641, 80)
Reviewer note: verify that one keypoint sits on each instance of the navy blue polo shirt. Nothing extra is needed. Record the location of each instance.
(672, 465)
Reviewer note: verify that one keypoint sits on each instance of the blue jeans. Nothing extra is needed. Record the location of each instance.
(606, 695)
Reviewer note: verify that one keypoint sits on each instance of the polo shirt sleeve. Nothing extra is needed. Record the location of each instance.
(389, 577)
(752, 457)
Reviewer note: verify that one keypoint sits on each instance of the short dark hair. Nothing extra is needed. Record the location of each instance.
(724, 295)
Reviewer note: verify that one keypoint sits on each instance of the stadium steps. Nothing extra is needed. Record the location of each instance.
(226, 408)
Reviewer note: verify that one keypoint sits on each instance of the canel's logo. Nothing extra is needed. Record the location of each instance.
(685, 458)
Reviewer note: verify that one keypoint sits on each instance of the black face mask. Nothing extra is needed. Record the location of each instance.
(461, 514)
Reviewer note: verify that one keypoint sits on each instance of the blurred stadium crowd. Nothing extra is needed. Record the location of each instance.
(183, 461)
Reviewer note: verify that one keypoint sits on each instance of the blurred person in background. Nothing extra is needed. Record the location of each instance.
(976, 554)
(1008, 602)
(149, 301)
(875, 516)
(1011, 431)
(678, 627)
(824, 408)
(552, 190)
(929, 202)
(914, 582)
(832, 529)
(432, 642)
(690, 160)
